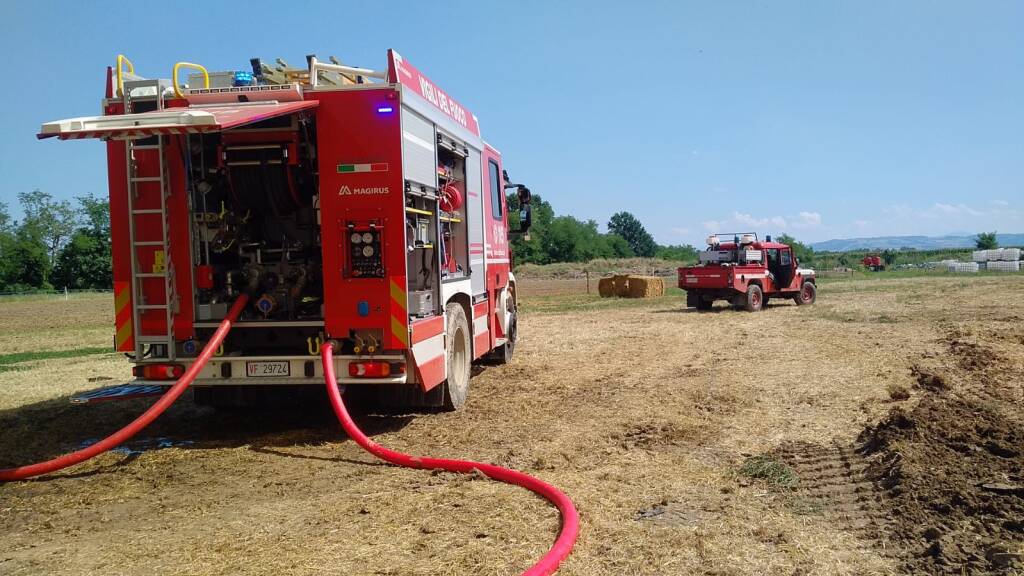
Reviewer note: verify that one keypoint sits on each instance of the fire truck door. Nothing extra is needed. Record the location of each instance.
(496, 241)
(476, 218)
(785, 272)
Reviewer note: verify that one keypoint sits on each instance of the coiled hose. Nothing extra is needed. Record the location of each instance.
(147, 417)
(548, 564)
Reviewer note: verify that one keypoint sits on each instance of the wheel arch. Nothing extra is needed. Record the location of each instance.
(465, 301)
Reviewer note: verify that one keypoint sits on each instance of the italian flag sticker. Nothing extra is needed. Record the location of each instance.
(350, 168)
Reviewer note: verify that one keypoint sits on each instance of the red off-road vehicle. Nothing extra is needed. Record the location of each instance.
(746, 272)
(874, 262)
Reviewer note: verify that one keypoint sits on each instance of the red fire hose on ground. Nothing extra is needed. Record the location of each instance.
(548, 564)
(147, 417)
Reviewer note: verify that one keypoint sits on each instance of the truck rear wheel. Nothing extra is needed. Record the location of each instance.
(503, 354)
(699, 301)
(449, 395)
(807, 295)
(755, 298)
(456, 386)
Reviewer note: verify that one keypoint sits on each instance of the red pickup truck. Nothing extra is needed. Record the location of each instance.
(747, 272)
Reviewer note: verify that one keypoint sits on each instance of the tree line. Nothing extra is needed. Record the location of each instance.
(63, 244)
(567, 239)
(57, 244)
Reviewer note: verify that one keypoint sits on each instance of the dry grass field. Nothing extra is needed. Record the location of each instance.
(877, 432)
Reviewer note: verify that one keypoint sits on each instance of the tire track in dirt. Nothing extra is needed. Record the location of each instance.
(935, 485)
(833, 481)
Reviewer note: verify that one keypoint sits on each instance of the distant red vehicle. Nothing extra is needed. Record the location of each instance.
(873, 262)
(747, 272)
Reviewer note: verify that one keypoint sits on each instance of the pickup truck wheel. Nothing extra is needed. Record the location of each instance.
(808, 294)
(755, 299)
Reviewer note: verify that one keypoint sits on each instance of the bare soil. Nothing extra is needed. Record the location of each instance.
(642, 411)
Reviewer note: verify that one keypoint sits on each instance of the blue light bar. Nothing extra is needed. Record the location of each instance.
(385, 109)
(243, 79)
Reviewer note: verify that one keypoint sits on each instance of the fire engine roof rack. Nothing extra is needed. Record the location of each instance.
(315, 67)
(723, 237)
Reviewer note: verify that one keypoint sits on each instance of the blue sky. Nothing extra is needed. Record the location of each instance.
(821, 119)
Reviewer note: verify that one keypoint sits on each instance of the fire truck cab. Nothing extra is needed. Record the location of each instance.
(351, 205)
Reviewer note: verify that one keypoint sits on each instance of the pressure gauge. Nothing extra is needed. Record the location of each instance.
(356, 237)
(367, 238)
(367, 251)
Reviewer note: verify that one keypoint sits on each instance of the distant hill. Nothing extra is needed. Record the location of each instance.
(916, 242)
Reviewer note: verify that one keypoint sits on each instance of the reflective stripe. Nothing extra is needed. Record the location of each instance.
(399, 316)
(122, 315)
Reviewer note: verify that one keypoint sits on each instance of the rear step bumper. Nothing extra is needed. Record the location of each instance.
(286, 370)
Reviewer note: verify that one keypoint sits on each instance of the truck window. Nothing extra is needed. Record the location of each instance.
(496, 190)
(786, 258)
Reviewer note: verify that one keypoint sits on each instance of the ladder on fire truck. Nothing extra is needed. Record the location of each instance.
(162, 266)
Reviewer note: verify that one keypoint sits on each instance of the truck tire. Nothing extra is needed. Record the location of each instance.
(449, 395)
(503, 354)
(807, 295)
(755, 298)
(455, 388)
(697, 300)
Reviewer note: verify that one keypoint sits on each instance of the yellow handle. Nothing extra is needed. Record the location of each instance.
(121, 61)
(174, 75)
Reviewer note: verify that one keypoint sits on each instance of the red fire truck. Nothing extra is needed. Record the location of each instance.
(874, 262)
(746, 272)
(349, 204)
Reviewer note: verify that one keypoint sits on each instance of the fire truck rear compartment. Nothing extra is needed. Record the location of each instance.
(255, 229)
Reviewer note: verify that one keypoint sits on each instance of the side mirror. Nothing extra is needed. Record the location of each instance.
(525, 209)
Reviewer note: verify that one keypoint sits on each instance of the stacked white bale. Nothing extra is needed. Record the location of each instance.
(979, 255)
(963, 267)
(1009, 254)
(1003, 266)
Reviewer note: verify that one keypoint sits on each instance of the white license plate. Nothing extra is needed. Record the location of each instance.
(268, 369)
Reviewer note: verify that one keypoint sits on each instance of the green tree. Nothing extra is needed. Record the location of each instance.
(85, 261)
(889, 256)
(48, 223)
(94, 213)
(529, 250)
(626, 225)
(986, 241)
(29, 265)
(805, 254)
(7, 244)
(681, 253)
(618, 245)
